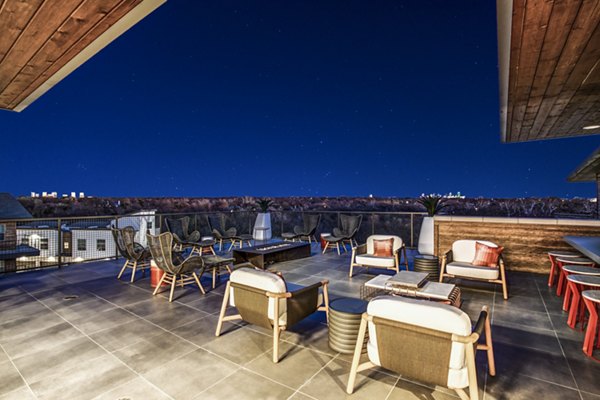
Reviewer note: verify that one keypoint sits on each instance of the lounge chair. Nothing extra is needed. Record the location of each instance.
(310, 223)
(366, 257)
(136, 256)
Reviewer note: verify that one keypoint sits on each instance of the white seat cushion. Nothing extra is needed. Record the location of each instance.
(427, 314)
(267, 281)
(372, 261)
(468, 270)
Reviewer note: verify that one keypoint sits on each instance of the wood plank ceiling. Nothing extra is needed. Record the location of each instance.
(42, 41)
(553, 71)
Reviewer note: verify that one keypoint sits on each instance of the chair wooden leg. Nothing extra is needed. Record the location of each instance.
(326, 300)
(223, 309)
(472, 372)
(276, 331)
(357, 352)
(159, 285)
(351, 269)
(212, 250)
(325, 248)
(133, 271)
(338, 248)
(173, 283)
(490, 347)
(123, 269)
(504, 287)
(198, 283)
(405, 258)
(214, 276)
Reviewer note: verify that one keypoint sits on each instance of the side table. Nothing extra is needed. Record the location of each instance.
(429, 264)
(344, 321)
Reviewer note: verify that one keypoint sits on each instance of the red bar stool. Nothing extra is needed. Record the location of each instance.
(591, 298)
(578, 283)
(569, 270)
(552, 254)
(562, 281)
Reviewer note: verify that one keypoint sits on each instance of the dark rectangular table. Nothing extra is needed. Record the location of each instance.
(588, 245)
(265, 254)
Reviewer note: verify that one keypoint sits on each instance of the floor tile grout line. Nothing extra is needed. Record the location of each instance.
(559, 342)
(102, 347)
(393, 387)
(312, 376)
(19, 372)
(240, 367)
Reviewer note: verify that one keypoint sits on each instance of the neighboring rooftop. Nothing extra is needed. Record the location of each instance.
(44, 41)
(10, 208)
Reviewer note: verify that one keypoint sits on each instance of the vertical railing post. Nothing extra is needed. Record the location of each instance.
(372, 223)
(412, 230)
(59, 245)
(116, 244)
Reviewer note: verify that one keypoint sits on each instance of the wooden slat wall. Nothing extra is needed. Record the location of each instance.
(37, 38)
(554, 77)
(525, 245)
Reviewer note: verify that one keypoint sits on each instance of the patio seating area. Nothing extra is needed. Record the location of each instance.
(79, 333)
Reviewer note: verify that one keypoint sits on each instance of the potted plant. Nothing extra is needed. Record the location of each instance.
(433, 203)
(262, 225)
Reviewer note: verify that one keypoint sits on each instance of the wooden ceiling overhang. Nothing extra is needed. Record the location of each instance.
(43, 41)
(549, 62)
(589, 170)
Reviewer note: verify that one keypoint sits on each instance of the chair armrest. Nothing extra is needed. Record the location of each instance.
(480, 325)
(231, 232)
(177, 239)
(194, 237)
(447, 256)
(360, 249)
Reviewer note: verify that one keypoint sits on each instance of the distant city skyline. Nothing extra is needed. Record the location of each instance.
(287, 99)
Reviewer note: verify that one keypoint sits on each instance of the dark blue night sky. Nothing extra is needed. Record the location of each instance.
(306, 98)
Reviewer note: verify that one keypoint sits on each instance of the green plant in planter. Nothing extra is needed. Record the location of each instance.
(264, 204)
(433, 203)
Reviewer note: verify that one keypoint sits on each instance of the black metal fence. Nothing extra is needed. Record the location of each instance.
(50, 242)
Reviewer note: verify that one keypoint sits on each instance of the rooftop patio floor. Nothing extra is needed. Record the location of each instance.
(78, 333)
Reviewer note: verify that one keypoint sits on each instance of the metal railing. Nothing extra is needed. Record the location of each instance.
(55, 242)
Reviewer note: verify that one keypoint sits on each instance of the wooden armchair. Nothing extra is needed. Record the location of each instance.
(363, 255)
(136, 256)
(264, 299)
(457, 263)
(422, 340)
(176, 268)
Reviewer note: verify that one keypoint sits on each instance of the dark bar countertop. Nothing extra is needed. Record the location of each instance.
(588, 245)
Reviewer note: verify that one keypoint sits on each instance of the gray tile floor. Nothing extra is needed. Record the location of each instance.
(114, 340)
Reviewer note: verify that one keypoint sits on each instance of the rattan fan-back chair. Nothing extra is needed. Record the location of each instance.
(136, 256)
(264, 299)
(221, 232)
(176, 268)
(423, 340)
(350, 224)
(310, 223)
(180, 228)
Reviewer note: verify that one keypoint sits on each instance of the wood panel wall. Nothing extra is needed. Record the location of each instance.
(525, 245)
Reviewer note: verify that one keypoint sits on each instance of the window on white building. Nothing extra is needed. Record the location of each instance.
(101, 244)
(44, 244)
(81, 245)
(2, 231)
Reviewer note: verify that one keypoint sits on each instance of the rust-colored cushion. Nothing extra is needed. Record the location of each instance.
(383, 248)
(486, 256)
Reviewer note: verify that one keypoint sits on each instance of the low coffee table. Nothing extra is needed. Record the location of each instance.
(263, 255)
(435, 291)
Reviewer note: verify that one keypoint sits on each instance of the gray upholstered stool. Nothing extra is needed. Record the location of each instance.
(331, 241)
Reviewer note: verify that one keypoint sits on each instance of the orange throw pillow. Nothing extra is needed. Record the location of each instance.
(486, 256)
(383, 248)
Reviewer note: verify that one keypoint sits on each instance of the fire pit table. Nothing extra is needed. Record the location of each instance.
(263, 255)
